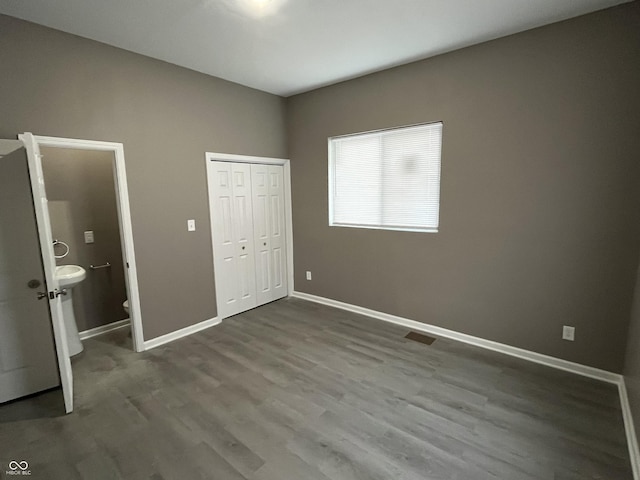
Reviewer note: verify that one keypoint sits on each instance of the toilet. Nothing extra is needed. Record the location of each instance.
(125, 305)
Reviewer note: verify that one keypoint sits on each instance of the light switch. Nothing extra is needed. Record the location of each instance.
(191, 225)
(88, 236)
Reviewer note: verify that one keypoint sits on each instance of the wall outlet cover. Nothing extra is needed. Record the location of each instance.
(88, 236)
(191, 225)
(308, 275)
(568, 333)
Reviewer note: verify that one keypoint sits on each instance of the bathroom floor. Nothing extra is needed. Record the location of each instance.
(294, 390)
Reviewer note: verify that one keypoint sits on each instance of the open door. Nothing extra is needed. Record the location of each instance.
(49, 263)
(27, 353)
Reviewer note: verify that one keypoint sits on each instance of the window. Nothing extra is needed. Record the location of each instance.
(388, 179)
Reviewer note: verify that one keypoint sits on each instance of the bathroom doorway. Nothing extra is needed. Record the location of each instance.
(83, 212)
(87, 222)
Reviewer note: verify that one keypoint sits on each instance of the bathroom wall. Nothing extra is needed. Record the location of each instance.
(81, 193)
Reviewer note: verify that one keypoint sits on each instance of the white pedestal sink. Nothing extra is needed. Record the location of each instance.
(68, 277)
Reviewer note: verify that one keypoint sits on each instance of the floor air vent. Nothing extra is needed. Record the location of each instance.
(419, 337)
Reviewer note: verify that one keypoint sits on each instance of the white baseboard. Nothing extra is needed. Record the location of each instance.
(629, 427)
(92, 332)
(183, 332)
(540, 358)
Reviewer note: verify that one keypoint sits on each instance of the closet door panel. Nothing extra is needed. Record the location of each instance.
(232, 232)
(222, 232)
(268, 221)
(243, 233)
(278, 271)
(261, 223)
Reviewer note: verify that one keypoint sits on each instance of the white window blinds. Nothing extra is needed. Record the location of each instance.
(388, 179)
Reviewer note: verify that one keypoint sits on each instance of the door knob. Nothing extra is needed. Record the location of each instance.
(42, 295)
(61, 292)
(33, 283)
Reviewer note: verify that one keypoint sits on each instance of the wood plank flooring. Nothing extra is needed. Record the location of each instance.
(298, 391)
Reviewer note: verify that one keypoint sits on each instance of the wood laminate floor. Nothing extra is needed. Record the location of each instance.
(299, 391)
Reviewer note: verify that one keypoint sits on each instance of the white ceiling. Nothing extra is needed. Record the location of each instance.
(291, 46)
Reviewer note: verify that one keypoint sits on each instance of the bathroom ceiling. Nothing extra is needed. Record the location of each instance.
(291, 46)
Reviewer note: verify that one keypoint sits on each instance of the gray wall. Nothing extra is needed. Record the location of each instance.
(167, 117)
(632, 360)
(539, 194)
(81, 194)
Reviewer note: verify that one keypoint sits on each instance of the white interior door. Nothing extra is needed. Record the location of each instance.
(27, 355)
(269, 231)
(49, 262)
(232, 233)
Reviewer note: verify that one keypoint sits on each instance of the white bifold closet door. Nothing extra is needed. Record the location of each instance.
(248, 229)
(232, 220)
(268, 229)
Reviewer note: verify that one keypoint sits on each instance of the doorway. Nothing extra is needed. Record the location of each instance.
(123, 213)
(55, 284)
(81, 198)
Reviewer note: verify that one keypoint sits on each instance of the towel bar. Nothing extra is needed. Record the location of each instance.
(96, 267)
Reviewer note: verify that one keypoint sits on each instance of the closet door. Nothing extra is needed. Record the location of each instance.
(233, 237)
(268, 223)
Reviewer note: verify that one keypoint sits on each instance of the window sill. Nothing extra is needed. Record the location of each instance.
(397, 229)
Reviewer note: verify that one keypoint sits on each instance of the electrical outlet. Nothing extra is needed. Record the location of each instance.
(88, 236)
(308, 275)
(191, 225)
(568, 333)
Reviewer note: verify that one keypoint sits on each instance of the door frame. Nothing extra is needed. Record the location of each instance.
(286, 164)
(124, 217)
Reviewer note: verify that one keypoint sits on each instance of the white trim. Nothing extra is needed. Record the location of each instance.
(288, 215)
(547, 360)
(183, 332)
(378, 227)
(288, 220)
(630, 430)
(93, 332)
(231, 157)
(75, 143)
(124, 217)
